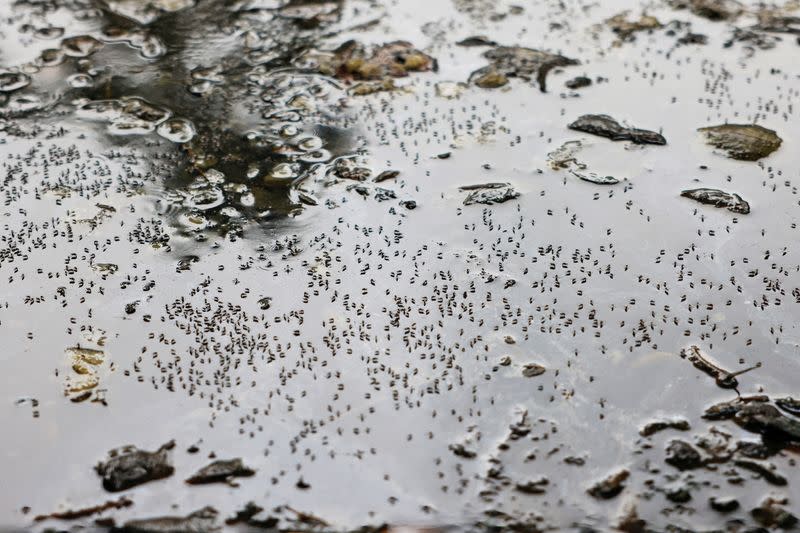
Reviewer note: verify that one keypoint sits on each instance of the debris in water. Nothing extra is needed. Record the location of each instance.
(461, 451)
(766, 473)
(578, 83)
(768, 420)
(371, 87)
(605, 126)
(731, 201)
(74, 514)
(789, 404)
(489, 193)
(247, 516)
(593, 177)
(683, 455)
(727, 410)
(723, 378)
(723, 505)
(711, 9)
(449, 89)
(531, 370)
(221, 471)
(126, 116)
(130, 466)
(654, 427)
(201, 521)
(537, 486)
(610, 486)
(476, 40)
(352, 60)
(518, 62)
(769, 514)
(85, 364)
(746, 142)
(386, 175)
(625, 28)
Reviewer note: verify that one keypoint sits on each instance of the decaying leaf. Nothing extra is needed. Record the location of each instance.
(746, 142)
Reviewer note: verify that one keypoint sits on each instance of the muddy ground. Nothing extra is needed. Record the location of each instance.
(458, 265)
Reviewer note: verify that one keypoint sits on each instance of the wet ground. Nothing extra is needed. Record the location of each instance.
(456, 265)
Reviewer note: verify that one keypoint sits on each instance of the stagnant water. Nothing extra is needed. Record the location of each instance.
(372, 249)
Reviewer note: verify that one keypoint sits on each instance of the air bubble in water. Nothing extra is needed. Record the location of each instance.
(283, 171)
(177, 130)
(309, 144)
(80, 46)
(12, 81)
(51, 57)
(80, 81)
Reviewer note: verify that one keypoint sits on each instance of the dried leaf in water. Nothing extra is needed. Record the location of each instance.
(731, 201)
(746, 142)
(531, 370)
(494, 193)
(220, 471)
(610, 486)
(625, 28)
(201, 521)
(518, 62)
(131, 466)
(606, 126)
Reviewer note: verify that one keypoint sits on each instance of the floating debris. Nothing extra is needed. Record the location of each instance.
(564, 156)
(595, 178)
(247, 516)
(723, 505)
(605, 126)
(489, 193)
(537, 486)
(518, 62)
(789, 404)
(654, 427)
(386, 175)
(201, 521)
(769, 514)
(746, 142)
(126, 116)
(610, 486)
(625, 28)
(727, 410)
(683, 455)
(85, 364)
(130, 466)
(221, 471)
(461, 451)
(723, 378)
(578, 83)
(354, 61)
(766, 473)
(711, 9)
(730, 201)
(476, 40)
(531, 370)
(371, 87)
(768, 420)
(75, 514)
(450, 89)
